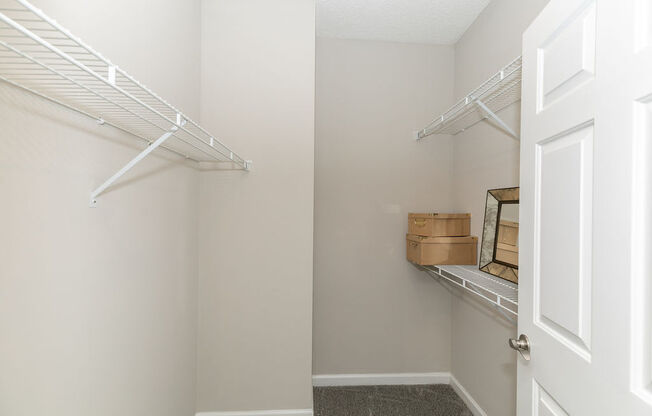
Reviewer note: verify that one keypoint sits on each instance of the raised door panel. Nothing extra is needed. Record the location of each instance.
(642, 264)
(642, 292)
(544, 404)
(567, 58)
(643, 25)
(564, 170)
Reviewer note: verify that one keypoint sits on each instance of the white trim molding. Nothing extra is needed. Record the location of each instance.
(390, 379)
(288, 412)
(470, 402)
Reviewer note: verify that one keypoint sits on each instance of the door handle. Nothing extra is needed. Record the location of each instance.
(522, 345)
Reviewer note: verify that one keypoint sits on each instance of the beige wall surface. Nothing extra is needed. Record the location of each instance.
(374, 312)
(98, 306)
(256, 228)
(485, 158)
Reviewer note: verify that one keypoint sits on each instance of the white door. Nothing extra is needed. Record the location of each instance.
(585, 297)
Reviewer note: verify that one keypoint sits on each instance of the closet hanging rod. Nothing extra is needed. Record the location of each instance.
(40, 56)
(496, 93)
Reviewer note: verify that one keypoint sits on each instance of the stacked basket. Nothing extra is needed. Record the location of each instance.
(435, 239)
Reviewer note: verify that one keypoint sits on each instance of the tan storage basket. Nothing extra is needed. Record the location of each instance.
(439, 225)
(430, 251)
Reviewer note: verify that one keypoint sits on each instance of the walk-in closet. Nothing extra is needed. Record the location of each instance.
(325, 207)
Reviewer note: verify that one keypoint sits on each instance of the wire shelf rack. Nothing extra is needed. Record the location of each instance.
(498, 92)
(498, 292)
(39, 55)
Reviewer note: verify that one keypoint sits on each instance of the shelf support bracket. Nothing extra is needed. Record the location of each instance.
(497, 119)
(131, 164)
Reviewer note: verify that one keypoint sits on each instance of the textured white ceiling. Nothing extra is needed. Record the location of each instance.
(416, 21)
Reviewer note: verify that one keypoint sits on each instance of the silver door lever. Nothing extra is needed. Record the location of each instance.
(522, 345)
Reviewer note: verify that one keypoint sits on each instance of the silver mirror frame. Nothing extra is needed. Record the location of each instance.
(488, 264)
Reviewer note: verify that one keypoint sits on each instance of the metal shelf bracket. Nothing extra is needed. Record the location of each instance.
(133, 162)
(494, 117)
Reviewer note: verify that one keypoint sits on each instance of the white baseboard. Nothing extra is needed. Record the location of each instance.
(289, 412)
(473, 406)
(396, 379)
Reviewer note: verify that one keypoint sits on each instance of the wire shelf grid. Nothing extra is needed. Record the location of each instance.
(501, 293)
(40, 56)
(498, 92)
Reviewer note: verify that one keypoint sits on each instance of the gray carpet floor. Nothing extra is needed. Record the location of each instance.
(426, 400)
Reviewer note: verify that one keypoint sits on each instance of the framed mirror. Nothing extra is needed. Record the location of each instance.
(499, 249)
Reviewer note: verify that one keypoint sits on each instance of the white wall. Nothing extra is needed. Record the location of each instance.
(98, 306)
(101, 305)
(256, 228)
(374, 312)
(486, 158)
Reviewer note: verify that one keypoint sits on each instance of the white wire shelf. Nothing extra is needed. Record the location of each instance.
(498, 92)
(40, 56)
(500, 293)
